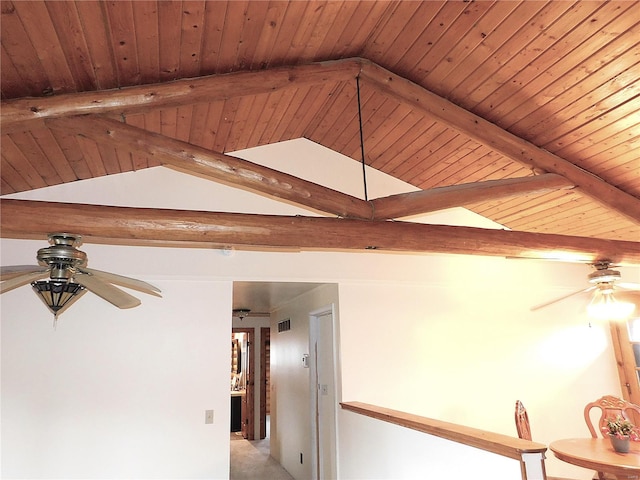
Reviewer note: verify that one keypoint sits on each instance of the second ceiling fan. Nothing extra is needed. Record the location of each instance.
(604, 304)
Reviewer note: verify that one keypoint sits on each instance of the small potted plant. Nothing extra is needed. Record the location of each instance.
(621, 431)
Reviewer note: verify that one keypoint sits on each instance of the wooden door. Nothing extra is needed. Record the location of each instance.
(247, 404)
(265, 389)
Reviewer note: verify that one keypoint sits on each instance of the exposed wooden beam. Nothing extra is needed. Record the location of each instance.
(141, 226)
(200, 161)
(423, 201)
(498, 139)
(19, 114)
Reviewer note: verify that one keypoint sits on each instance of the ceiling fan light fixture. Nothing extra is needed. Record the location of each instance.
(57, 294)
(241, 312)
(69, 277)
(604, 306)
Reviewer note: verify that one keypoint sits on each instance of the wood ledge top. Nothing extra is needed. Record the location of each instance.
(504, 445)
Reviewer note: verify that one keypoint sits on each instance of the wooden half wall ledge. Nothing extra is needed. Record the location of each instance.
(497, 443)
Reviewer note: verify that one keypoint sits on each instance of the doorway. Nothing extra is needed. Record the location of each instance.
(265, 381)
(242, 382)
(250, 459)
(281, 418)
(324, 395)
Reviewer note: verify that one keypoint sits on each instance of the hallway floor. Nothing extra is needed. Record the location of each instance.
(250, 460)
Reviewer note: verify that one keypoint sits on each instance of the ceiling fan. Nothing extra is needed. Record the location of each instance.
(241, 313)
(69, 277)
(604, 282)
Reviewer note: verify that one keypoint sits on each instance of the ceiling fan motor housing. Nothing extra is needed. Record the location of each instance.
(62, 256)
(604, 276)
(69, 277)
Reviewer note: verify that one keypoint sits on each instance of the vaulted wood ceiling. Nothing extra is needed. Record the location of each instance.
(527, 113)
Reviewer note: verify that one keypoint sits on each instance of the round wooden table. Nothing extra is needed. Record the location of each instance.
(598, 454)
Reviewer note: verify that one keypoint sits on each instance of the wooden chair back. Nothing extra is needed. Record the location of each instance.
(524, 432)
(522, 421)
(610, 407)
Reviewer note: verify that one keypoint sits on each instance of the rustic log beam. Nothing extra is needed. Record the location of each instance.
(18, 114)
(499, 140)
(423, 201)
(142, 226)
(200, 161)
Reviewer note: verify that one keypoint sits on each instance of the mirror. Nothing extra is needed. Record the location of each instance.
(236, 357)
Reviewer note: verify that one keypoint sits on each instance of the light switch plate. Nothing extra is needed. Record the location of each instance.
(208, 416)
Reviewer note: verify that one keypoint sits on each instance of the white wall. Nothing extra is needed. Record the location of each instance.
(117, 394)
(291, 382)
(380, 450)
(462, 347)
(122, 394)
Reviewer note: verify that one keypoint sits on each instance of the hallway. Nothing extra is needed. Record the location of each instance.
(250, 460)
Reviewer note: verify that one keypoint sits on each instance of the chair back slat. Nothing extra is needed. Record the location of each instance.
(522, 421)
(610, 407)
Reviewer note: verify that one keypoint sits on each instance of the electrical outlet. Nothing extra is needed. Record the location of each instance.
(208, 416)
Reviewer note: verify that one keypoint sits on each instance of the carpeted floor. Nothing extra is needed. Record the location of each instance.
(250, 460)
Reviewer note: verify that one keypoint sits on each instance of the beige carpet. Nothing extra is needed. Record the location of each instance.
(250, 460)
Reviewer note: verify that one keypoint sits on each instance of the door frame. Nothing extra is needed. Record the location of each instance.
(248, 409)
(265, 377)
(315, 317)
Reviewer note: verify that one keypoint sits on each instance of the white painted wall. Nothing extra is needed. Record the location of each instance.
(462, 347)
(291, 382)
(117, 394)
(121, 394)
(380, 450)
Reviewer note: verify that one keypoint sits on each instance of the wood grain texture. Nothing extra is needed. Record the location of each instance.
(21, 218)
(597, 454)
(511, 447)
(559, 76)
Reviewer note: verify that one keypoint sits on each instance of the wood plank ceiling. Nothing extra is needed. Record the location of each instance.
(451, 93)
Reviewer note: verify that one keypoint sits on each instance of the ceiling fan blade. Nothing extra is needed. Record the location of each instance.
(542, 305)
(628, 286)
(632, 296)
(18, 281)
(123, 281)
(15, 270)
(107, 291)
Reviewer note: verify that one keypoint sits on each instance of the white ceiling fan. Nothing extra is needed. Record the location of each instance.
(604, 305)
(69, 277)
